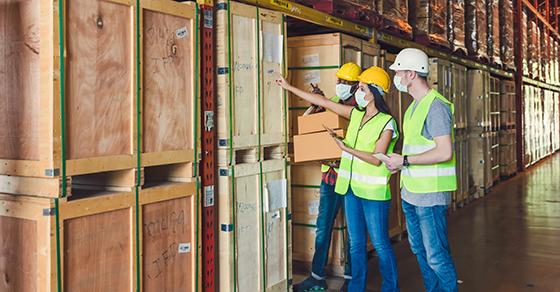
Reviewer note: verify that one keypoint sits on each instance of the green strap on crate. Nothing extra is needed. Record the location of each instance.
(138, 177)
(62, 142)
(196, 97)
(286, 224)
(58, 269)
(314, 68)
(231, 151)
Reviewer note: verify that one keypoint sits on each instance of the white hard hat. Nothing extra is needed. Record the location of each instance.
(411, 59)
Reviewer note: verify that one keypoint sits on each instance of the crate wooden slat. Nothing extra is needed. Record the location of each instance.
(479, 161)
(478, 102)
(249, 257)
(459, 94)
(97, 240)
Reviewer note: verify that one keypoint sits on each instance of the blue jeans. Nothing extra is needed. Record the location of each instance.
(427, 234)
(329, 204)
(363, 215)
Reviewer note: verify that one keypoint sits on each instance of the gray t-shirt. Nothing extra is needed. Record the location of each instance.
(438, 123)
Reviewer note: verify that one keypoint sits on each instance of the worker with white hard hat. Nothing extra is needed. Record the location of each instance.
(427, 170)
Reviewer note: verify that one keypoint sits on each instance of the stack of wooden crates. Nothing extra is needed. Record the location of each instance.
(254, 201)
(449, 79)
(507, 136)
(478, 131)
(99, 146)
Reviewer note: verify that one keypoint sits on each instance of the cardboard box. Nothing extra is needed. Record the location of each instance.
(317, 146)
(314, 122)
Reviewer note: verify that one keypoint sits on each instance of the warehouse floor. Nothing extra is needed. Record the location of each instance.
(508, 241)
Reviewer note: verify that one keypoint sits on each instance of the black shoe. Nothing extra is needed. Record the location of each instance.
(345, 286)
(311, 284)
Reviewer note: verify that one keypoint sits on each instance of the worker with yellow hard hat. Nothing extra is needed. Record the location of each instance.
(329, 201)
(362, 179)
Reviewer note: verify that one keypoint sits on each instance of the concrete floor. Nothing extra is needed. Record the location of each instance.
(508, 241)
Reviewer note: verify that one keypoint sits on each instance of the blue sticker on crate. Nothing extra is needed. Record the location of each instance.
(221, 6)
(289, 216)
(223, 70)
(223, 142)
(290, 282)
(227, 227)
(224, 172)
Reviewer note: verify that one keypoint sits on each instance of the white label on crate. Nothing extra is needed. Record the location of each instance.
(275, 215)
(310, 60)
(313, 76)
(209, 196)
(313, 207)
(313, 229)
(270, 71)
(273, 47)
(182, 32)
(184, 247)
(276, 195)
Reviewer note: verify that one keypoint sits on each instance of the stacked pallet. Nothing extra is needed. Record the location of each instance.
(315, 59)
(521, 45)
(429, 23)
(479, 135)
(533, 49)
(92, 176)
(507, 150)
(506, 29)
(254, 238)
(493, 31)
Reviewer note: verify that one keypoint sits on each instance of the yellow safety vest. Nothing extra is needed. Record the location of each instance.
(367, 180)
(434, 178)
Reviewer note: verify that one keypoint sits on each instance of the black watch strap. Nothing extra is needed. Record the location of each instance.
(405, 161)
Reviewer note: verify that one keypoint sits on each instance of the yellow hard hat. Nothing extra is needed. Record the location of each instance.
(349, 71)
(376, 76)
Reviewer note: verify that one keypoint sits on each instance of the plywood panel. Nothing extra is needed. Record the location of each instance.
(166, 226)
(18, 247)
(168, 76)
(100, 72)
(19, 79)
(98, 252)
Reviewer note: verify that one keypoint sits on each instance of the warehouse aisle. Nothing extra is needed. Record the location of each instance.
(508, 241)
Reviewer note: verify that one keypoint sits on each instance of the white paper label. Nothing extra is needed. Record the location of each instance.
(313, 207)
(313, 229)
(273, 47)
(182, 32)
(184, 247)
(275, 215)
(209, 196)
(313, 76)
(276, 195)
(310, 60)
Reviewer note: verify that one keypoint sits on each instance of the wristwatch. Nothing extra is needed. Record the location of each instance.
(405, 161)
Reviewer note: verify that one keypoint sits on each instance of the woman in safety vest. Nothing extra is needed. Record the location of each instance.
(361, 177)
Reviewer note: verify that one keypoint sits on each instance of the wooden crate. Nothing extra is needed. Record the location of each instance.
(253, 243)
(250, 47)
(94, 245)
(95, 129)
(316, 58)
(478, 101)
(461, 154)
(495, 151)
(479, 160)
(507, 104)
(494, 95)
(459, 94)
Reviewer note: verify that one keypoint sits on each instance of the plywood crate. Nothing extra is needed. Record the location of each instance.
(478, 100)
(508, 153)
(94, 245)
(461, 155)
(479, 160)
(316, 58)
(253, 243)
(494, 95)
(507, 104)
(439, 78)
(95, 129)
(250, 48)
(459, 94)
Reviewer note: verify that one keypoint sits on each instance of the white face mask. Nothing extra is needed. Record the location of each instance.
(361, 98)
(400, 87)
(343, 91)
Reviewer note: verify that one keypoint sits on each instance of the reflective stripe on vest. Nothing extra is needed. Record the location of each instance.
(438, 177)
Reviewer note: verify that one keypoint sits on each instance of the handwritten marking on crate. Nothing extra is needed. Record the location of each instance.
(165, 38)
(172, 222)
(168, 258)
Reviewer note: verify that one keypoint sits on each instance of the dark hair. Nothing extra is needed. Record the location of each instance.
(380, 103)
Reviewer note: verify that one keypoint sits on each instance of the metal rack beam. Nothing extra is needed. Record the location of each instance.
(539, 16)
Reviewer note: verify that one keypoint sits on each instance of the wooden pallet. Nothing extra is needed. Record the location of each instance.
(99, 117)
(348, 10)
(97, 244)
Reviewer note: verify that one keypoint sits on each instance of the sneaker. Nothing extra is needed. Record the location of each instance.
(311, 284)
(345, 286)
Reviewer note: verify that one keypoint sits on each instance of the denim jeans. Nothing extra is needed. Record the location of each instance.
(362, 216)
(427, 234)
(329, 204)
